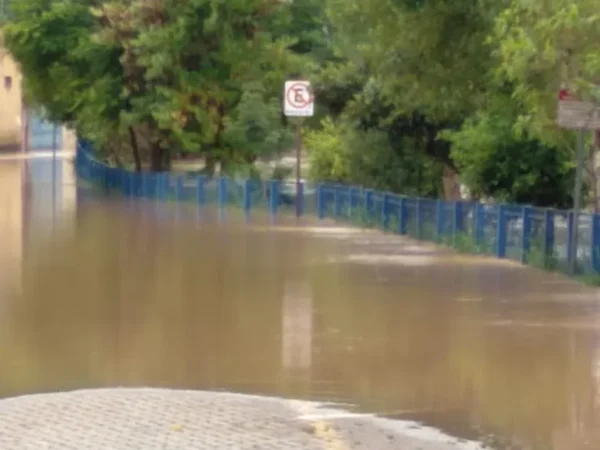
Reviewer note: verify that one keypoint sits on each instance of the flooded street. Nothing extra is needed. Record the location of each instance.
(100, 292)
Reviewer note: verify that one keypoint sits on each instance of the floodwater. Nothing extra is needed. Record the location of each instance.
(103, 292)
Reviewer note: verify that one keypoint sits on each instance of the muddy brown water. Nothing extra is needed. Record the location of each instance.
(104, 292)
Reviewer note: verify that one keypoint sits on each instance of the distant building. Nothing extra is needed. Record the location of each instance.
(10, 102)
(42, 134)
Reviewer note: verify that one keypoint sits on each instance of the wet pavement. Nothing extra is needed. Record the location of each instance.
(98, 292)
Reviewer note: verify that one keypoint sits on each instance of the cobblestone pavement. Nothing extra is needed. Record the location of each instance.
(162, 419)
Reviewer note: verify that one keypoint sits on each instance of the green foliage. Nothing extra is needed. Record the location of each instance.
(343, 154)
(255, 128)
(329, 156)
(281, 173)
(543, 46)
(432, 58)
(496, 162)
(424, 68)
(412, 96)
(163, 77)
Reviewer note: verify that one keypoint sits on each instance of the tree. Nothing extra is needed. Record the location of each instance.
(494, 161)
(543, 46)
(167, 75)
(342, 153)
(428, 75)
(412, 94)
(429, 60)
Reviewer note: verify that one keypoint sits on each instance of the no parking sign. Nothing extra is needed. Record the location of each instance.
(299, 100)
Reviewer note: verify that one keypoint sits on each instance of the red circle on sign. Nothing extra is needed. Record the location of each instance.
(292, 100)
(564, 94)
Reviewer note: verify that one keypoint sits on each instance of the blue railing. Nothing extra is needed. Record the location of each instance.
(536, 236)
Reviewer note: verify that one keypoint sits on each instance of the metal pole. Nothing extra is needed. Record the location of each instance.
(298, 165)
(54, 182)
(54, 138)
(577, 200)
(594, 157)
(25, 128)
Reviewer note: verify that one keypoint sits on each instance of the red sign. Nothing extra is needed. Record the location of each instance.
(563, 94)
(298, 95)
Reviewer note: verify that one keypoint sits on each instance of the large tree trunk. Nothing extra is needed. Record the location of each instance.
(137, 160)
(160, 158)
(594, 169)
(440, 150)
(210, 164)
(451, 184)
(156, 158)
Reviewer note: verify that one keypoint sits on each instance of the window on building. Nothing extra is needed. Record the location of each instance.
(8, 83)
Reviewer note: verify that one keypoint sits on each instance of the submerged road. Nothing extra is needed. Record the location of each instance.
(160, 326)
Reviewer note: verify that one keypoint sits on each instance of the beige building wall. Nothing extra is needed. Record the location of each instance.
(11, 227)
(10, 101)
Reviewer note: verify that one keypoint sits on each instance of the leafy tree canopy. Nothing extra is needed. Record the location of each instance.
(413, 96)
(542, 47)
(163, 76)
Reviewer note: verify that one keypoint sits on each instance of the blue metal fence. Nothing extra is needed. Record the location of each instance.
(536, 236)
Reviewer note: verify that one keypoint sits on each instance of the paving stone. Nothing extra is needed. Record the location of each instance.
(165, 419)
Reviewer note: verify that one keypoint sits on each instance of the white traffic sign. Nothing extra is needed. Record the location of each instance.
(575, 114)
(299, 100)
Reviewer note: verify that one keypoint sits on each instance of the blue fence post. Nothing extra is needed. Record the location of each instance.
(419, 218)
(403, 216)
(145, 183)
(123, 181)
(159, 181)
(571, 251)
(336, 202)
(501, 232)
(385, 211)
(247, 196)
(351, 203)
(457, 221)
(200, 190)
(367, 202)
(149, 184)
(479, 223)
(222, 191)
(300, 199)
(548, 238)
(526, 234)
(273, 196)
(105, 179)
(179, 188)
(131, 183)
(595, 250)
(165, 186)
(321, 201)
(440, 220)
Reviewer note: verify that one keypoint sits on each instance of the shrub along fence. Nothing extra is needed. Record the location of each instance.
(535, 236)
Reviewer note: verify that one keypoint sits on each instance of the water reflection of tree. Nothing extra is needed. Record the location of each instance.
(131, 300)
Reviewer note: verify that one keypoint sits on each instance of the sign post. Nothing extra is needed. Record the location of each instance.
(574, 114)
(298, 103)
